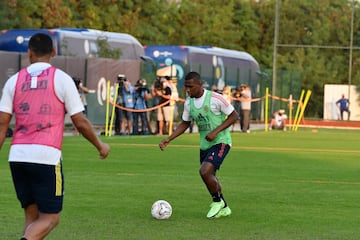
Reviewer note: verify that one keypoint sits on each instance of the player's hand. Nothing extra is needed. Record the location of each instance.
(210, 136)
(163, 143)
(104, 150)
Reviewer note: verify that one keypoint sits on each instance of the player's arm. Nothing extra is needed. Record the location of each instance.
(6, 107)
(231, 119)
(84, 127)
(179, 130)
(185, 123)
(4, 125)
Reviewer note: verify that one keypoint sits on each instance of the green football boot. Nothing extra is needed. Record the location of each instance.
(226, 211)
(215, 208)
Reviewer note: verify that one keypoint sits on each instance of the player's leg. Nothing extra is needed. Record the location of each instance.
(31, 215)
(42, 216)
(212, 183)
(207, 173)
(42, 226)
(211, 161)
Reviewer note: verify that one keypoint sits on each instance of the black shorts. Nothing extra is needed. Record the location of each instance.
(215, 155)
(39, 184)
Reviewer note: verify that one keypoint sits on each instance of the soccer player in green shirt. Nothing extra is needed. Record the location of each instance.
(213, 116)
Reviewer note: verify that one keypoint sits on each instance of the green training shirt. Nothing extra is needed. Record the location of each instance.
(207, 121)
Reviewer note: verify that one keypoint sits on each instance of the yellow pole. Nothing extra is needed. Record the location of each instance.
(113, 109)
(290, 108)
(308, 94)
(298, 109)
(107, 109)
(266, 109)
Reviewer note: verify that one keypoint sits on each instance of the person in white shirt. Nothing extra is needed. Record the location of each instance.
(245, 111)
(213, 116)
(278, 120)
(39, 96)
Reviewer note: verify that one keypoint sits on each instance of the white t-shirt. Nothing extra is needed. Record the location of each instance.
(218, 105)
(66, 91)
(246, 103)
(280, 118)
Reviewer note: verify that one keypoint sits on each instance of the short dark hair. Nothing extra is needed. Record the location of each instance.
(193, 75)
(41, 44)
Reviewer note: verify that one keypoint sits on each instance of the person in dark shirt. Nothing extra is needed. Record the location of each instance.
(343, 104)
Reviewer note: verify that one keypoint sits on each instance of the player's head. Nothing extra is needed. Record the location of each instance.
(193, 85)
(41, 45)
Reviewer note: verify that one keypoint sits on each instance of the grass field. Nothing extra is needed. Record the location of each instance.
(279, 185)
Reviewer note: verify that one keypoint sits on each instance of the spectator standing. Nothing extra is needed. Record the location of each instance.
(119, 102)
(39, 96)
(141, 95)
(226, 92)
(236, 96)
(245, 104)
(343, 104)
(163, 91)
(128, 98)
(125, 99)
(83, 91)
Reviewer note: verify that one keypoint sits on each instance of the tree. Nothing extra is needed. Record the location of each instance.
(34, 14)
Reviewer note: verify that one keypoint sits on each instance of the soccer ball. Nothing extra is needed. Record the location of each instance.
(161, 209)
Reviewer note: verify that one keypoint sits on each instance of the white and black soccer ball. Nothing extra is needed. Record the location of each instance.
(161, 209)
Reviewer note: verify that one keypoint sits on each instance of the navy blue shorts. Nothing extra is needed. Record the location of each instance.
(215, 155)
(39, 184)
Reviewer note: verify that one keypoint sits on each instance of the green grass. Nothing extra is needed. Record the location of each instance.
(280, 185)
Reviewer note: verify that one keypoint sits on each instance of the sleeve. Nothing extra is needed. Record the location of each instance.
(227, 109)
(220, 105)
(186, 113)
(67, 93)
(6, 102)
